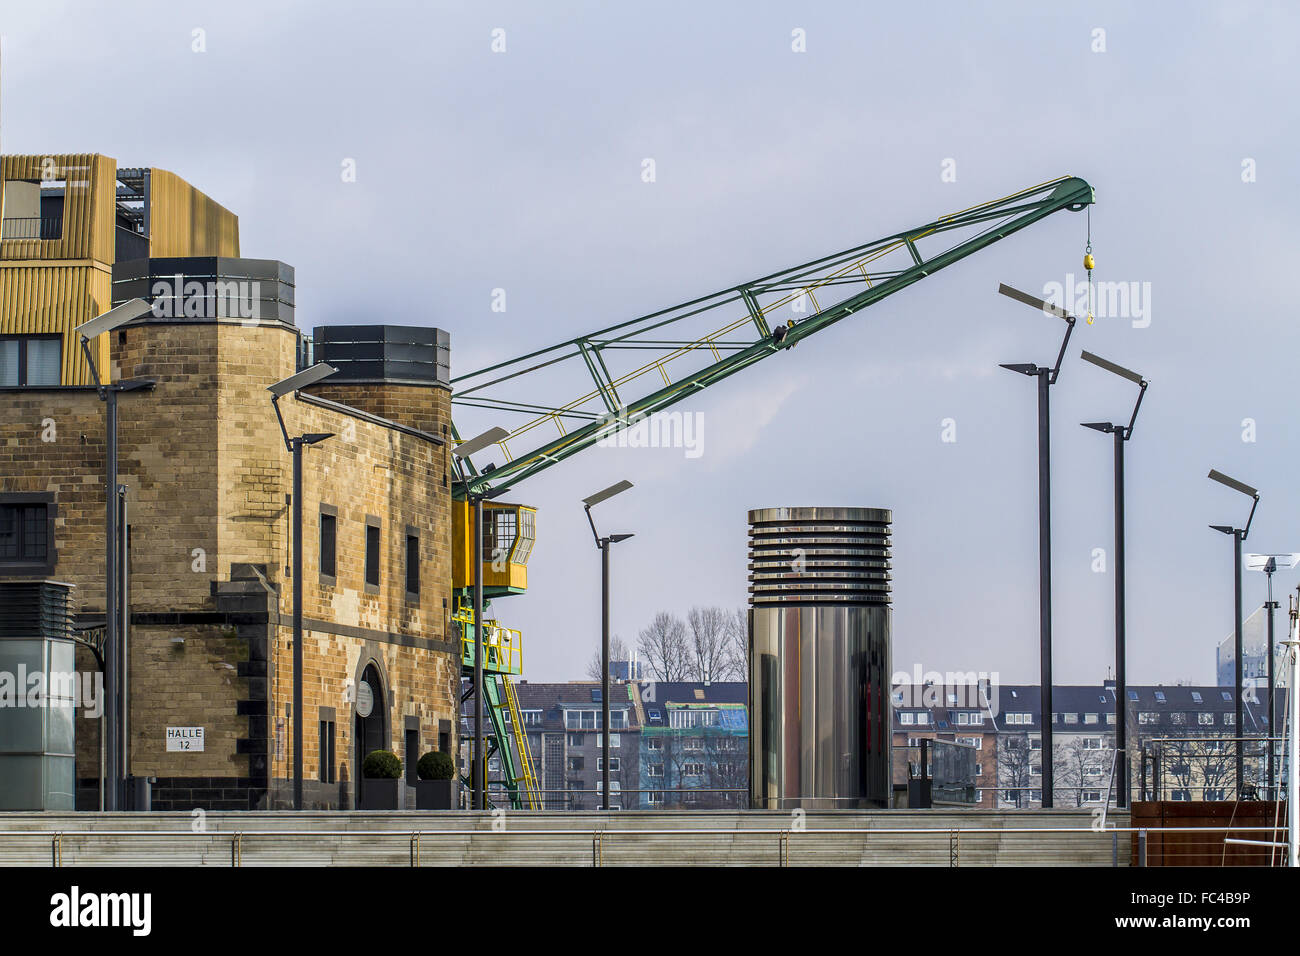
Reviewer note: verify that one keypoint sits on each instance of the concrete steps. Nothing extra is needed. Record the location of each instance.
(554, 838)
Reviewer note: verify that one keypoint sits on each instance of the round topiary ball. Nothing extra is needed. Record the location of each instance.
(381, 765)
(436, 765)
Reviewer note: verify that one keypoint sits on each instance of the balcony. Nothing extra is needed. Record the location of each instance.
(32, 228)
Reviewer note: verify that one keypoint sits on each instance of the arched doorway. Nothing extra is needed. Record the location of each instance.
(369, 731)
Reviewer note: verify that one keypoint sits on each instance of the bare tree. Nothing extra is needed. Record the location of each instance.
(1015, 767)
(1075, 760)
(736, 645)
(618, 651)
(707, 628)
(664, 648)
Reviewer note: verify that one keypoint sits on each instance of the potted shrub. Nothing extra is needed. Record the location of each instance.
(437, 787)
(382, 787)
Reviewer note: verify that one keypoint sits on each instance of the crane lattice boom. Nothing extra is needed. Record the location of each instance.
(643, 365)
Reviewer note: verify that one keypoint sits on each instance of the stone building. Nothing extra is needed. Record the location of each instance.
(208, 481)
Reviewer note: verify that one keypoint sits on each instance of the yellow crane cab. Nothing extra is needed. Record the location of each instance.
(509, 531)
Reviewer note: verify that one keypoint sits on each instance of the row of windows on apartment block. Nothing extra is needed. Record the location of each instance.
(652, 744)
(1177, 717)
(329, 553)
(678, 719)
(1010, 797)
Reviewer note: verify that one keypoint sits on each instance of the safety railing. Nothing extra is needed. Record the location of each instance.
(765, 845)
(34, 227)
(503, 648)
(1205, 768)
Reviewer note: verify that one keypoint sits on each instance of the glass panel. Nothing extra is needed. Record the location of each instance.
(9, 361)
(60, 783)
(20, 783)
(43, 357)
(60, 737)
(35, 533)
(8, 532)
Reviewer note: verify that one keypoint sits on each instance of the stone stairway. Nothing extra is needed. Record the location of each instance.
(553, 838)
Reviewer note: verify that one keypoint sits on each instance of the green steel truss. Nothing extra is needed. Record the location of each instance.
(644, 365)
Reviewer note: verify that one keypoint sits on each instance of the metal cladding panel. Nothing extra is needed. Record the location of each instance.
(39, 299)
(185, 222)
(88, 217)
(385, 353)
(819, 696)
(819, 632)
(211, 288)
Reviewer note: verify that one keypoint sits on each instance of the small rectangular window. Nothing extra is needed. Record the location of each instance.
(412, 755)
(372, 555)
(327, 763)
(328, 544)
(25, 533)
(412, 565)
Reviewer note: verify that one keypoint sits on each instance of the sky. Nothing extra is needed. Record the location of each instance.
(779, 132)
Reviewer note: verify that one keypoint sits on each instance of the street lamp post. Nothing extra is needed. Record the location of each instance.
(604, 545)
(295, 446)
(1238, 536)
(460, 454)
(1122, 434)
(1269, 563)
(1046, 377)
(116, 672)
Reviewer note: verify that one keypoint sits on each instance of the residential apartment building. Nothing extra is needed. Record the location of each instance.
(1188, 726)
(564, 727)
(959, 713)
(694, 745)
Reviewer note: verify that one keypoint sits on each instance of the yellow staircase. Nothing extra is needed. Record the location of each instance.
(531, 791)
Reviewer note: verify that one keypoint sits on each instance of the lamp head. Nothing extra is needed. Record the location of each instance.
(118, 315)
(1111, 367)
(607, 493)
(479, 442)
(1033, 301)
(302, 379)
(1023, 369)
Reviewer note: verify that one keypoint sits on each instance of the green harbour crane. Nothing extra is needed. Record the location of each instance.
(641, 366)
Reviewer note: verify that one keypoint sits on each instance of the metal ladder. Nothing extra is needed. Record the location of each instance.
(531, 790)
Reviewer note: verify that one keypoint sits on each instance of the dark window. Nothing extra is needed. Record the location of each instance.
(328, 539)
(412, 755)
(412, 565)
(327, 761)
(25, 533)
(30, 360)
(372, 555)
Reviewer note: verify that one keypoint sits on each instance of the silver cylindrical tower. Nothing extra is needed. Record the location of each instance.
(819, 642)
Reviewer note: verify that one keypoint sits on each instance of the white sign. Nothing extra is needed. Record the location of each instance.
(365, 699)
(184, 738)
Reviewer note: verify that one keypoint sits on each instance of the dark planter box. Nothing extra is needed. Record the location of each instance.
(437, 794)
(381, 794)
